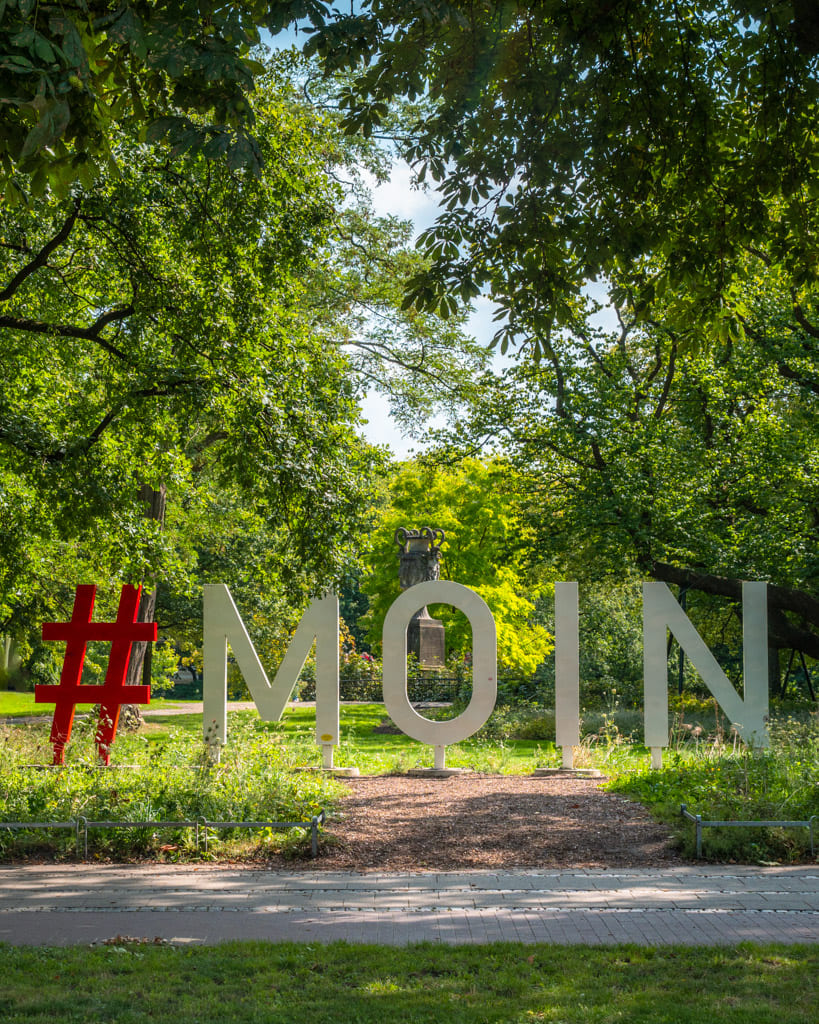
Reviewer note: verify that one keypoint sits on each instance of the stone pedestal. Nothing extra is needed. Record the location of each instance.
(426, 640)
(570, 773)
(419, 556)
(439, 770)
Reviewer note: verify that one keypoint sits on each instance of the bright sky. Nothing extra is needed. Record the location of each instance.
(399, 198)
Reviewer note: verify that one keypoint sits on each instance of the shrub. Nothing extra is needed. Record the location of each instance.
(718, 777)
(153, 780)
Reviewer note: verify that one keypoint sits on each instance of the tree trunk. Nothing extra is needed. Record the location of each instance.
(782, 631)
(8, 661)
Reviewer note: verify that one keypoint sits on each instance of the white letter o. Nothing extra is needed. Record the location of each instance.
(484, 662)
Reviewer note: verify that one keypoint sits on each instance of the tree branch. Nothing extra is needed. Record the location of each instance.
(802, 320)
(780, 600)
(790, 374)
(62, 451)
(669, 377)
(42, 256)
(91, 333)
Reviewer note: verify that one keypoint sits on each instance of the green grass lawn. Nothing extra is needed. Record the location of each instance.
(288, 983)
(15, 705)
(369, 751)
(378, 753)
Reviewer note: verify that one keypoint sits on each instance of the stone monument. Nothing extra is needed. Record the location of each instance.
(419, 553)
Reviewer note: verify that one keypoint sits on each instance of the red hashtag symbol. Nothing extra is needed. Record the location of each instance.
(113, 692)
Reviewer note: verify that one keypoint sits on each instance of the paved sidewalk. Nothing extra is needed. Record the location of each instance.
(70, 904)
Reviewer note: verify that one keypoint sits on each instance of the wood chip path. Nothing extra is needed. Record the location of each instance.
(398, 823)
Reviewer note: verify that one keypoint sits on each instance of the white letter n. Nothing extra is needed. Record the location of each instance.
(661, 611)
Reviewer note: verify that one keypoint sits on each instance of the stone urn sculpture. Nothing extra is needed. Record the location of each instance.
(419, 553)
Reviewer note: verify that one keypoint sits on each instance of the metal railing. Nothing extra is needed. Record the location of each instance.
(700, 824)
(81, 826)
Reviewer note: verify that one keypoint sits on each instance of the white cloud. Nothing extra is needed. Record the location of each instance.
(398, 197)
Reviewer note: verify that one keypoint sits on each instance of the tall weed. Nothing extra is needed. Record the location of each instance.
(720, 778)
(169, 780)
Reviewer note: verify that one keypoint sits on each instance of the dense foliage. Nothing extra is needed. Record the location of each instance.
(154, 331)
(693, 466)
(665, 152)
(191, 332)
(726, 782)
(186, 323)
(650, 146)
(639, 144)
(73, 74)
(158, 778)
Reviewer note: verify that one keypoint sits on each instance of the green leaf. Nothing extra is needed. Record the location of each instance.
(52, 123)
(44, 49)
(25, 37)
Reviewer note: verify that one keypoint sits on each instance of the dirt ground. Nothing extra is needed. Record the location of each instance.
(398, 823)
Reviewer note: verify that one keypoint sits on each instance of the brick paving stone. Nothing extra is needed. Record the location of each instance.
(477, 928)
(46, 904)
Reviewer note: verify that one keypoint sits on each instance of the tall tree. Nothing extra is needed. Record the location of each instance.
(691, 465)
(666, 151)
(477, 505)
(188, 324)
(649, 146)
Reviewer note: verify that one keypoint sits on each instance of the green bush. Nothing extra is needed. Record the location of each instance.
(168, 780)
(536, 725)
(719, 778)
(359, 678)
(530, 722)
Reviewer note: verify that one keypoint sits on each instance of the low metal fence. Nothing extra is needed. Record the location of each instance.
(700, 824)
(82, 825)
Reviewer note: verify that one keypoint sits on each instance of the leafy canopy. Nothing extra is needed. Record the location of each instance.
(156, 329)
(696, 466)
(187, 325)
(73, 74)
(646, 145)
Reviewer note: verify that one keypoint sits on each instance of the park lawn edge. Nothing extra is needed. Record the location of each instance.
(15, 704)
(134, 983)
(684, 778)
